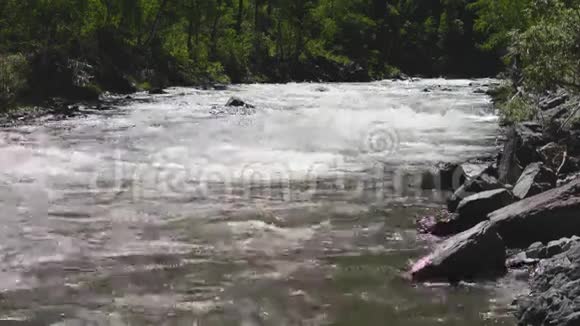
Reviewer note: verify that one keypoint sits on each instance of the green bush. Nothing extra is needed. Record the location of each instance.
(14, 71)
(516, 109)
(548, 52)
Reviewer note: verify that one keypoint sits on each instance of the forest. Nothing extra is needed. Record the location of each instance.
(80, 48)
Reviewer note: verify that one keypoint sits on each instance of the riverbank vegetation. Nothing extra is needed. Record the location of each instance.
(80, 48)
(542, 50)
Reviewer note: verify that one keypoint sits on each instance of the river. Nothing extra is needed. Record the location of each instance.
(175, 210)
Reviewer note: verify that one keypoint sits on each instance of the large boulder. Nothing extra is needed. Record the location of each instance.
(535, 179)
(470, 211)
(483, 182)
(475, 208)
(475, 253)
(555, 292)
(548, 216)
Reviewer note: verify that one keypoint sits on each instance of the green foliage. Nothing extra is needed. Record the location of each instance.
(517, 109)
(549, 50)
(192, 41)
(498, 18)
(13, 73)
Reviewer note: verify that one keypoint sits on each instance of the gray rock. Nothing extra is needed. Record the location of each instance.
(508, 168)
(530, 136)
(238, 102)
(553, 101)
(483, 182)
(555, 292)
(535, 250)
(220, 87)
(475, 208)
(548, 216)
(540, 251)
(535, 179)
(477, 252)
(521, 260)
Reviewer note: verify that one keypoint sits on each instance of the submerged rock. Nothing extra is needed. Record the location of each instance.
(475, 253)
(548, 216)
(238, 102)
(157, 91)
(535, 179)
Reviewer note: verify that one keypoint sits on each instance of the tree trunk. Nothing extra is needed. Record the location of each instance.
(240, 16)
(190, 27)
(214, 27)
(256, 16)
(155, 25)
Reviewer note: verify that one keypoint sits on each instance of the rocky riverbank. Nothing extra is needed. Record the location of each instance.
(520, 211)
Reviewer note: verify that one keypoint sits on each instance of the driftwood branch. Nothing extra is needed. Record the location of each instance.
(569, 118)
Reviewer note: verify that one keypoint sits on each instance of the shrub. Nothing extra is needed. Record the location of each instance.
(517, 109)
(13, 77)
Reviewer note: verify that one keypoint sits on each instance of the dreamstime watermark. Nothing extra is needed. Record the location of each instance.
(187, 178)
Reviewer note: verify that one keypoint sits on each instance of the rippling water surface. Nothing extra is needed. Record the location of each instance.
(173, 210)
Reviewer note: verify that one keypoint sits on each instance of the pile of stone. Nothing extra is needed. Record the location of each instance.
(526, 202)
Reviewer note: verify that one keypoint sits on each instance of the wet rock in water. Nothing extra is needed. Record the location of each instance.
(443, 176)
(157, 91)
(220, 87)
(535, 179)
(238, 102)
(437, 225)
(471, 211)
(548, 216)
(475, 208)
(476, 253)
(555, 292)
(479, 91)
(483, 182)
(451, 176)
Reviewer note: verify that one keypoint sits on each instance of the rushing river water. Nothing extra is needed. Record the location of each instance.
(174, 210)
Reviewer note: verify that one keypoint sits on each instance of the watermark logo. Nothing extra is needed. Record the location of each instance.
(383, 138)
